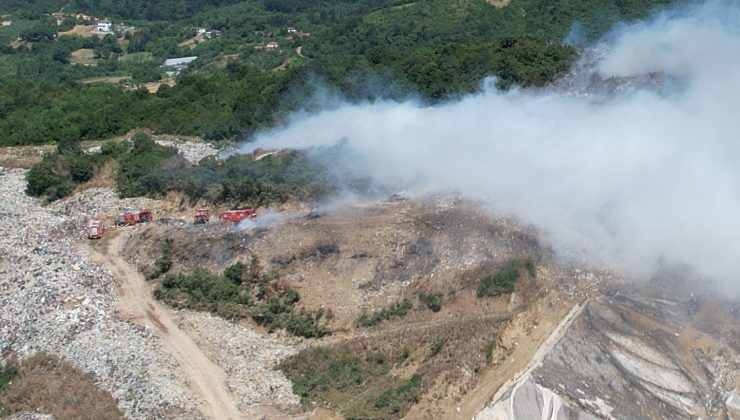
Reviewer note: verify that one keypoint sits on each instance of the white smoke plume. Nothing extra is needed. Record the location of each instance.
(643, 177)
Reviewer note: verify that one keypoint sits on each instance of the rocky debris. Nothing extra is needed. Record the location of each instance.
(191, 151)
(53, 299)
(102, 202)
(248, 359)
(624, 358)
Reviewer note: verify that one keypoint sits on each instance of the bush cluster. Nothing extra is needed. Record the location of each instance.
(243, 292)
(7, 374)
(360, 383)
(433, 301)
(505, 279)
(397, 310)
(162, 264)
(59, 173)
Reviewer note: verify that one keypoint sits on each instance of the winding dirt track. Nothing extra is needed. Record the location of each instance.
(137, 304)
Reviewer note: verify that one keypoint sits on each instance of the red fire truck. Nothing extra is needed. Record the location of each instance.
(237, 215)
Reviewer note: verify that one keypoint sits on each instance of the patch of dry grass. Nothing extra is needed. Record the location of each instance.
(49, 385)
(83, 56)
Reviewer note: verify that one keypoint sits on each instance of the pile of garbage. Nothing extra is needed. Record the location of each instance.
(53, 299)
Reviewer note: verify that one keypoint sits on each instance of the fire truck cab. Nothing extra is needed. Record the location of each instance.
(95, 229)
(201, 216)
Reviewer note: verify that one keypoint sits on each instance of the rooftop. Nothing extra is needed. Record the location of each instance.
(176, 61)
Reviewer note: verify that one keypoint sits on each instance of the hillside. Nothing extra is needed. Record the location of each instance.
(355, 262)
(433, 209)
(432, 49)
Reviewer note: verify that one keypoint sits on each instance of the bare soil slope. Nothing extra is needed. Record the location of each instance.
(365, 257)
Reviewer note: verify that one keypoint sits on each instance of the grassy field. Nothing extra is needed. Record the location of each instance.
(136, 58)
(80, 30)
(83, 56)
(110, 79)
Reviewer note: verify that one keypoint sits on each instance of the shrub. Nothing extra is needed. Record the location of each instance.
(234, 272)
(58, 173)
(229, 297)
(437, 345)
(149, 169)
(279, 312)
(50, 178)
(81, 168)
(488, 350)
(201, 290)
(395, 398)
(433, 301)
(7, 374)
(505, 279)
(398, 310)
(113, 149)
(359, 383)
(162, 264)
(305, 324)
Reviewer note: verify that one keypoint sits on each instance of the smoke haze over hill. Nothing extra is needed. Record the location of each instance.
(642, 178)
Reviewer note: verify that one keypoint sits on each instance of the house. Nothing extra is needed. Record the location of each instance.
(291, 30)
(104, 26)
(177, 65)
(272, 45)
(214, 33)
(200, 31)
(6, 23)
(83, 17)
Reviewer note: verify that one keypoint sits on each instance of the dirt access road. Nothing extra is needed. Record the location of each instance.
(137, 304)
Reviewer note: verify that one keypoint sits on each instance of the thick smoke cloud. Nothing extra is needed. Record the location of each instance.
(642, 177)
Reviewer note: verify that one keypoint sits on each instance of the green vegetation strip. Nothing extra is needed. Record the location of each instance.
(505, 279)
(359, 385)
(241, 293)
(395, 310)
(148, 169)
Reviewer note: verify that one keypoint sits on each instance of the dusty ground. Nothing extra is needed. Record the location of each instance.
(136, 303)
(499, 3)
(367, 256)
(153, 87)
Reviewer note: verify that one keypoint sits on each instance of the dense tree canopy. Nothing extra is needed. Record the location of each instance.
(433, 49)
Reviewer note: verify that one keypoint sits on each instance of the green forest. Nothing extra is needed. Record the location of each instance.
(430, 49)
(257, 62)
